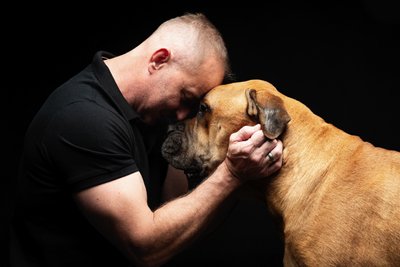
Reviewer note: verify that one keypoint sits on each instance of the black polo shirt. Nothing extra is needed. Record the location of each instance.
(84, 135)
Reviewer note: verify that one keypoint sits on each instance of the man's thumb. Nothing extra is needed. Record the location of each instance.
(244, 133)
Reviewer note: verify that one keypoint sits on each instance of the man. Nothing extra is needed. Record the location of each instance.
(91, 174)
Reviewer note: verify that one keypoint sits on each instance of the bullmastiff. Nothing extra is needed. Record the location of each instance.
(336, 197)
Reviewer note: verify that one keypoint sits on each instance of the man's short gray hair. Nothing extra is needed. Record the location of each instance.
(197, 35)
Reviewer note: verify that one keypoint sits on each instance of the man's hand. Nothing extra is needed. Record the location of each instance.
(251, 156)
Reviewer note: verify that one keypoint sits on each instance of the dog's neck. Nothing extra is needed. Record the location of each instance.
(309, 153)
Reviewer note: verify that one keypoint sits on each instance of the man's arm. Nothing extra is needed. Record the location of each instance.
(119, 209)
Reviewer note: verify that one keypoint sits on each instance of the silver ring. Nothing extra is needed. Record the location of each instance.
(271, 157)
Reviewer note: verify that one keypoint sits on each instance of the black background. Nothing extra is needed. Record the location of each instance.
(340, 58)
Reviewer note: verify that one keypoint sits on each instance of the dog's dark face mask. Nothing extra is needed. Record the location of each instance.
(179, 152)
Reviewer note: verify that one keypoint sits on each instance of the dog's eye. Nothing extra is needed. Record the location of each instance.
(203, 108)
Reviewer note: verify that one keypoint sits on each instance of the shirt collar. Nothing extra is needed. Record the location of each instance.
(108, 84)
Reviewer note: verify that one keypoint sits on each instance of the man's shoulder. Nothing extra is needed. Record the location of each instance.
(86, 114)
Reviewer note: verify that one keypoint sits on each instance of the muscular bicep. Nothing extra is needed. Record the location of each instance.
(118, 210)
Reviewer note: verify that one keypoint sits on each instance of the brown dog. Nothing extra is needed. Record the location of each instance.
(338, 197)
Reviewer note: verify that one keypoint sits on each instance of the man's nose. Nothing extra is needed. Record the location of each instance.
(182, 114)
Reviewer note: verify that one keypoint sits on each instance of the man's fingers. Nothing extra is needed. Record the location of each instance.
(266, 151)
(274, 164)
(257, 139)
(276, 152)
(247, 147)
(244, 133)
(273, 167)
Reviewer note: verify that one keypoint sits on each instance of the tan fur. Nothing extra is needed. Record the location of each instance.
(337, 196)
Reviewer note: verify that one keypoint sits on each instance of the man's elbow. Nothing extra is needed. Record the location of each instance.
(147, 255)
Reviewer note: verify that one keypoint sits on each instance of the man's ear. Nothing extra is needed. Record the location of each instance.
(272, 115)
(158, 59)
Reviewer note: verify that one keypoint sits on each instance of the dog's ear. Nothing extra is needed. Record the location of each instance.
(272, 115)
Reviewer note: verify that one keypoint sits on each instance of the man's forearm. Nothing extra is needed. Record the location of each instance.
(179, 222)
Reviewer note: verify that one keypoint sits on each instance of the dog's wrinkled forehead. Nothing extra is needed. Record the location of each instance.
(224, 98)
(227, 96)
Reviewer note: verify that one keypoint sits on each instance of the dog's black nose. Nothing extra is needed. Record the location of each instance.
(179, 126)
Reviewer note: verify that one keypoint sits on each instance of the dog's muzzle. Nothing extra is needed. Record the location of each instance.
(177, 152)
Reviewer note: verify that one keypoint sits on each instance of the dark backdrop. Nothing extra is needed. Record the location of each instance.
(340, 58)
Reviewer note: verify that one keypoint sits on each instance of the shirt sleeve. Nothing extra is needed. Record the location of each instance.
(88, 145)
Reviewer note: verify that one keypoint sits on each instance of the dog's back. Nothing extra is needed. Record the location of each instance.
(339, 197)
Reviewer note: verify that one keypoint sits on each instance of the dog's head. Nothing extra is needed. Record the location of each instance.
(199, 145)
